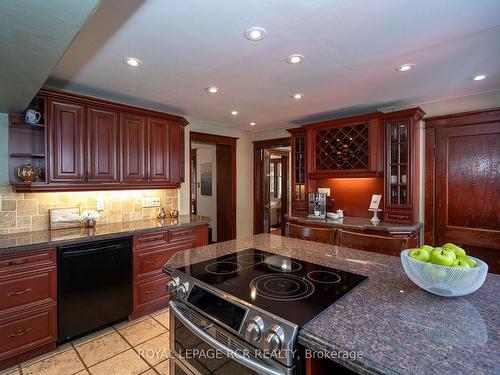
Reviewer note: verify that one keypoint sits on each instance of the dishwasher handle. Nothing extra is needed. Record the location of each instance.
(97, 249)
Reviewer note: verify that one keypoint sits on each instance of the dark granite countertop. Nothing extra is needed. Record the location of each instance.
(396, 327)
(11, 243)
(356, 223)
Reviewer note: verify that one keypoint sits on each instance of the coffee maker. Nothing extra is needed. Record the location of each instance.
(317, 206)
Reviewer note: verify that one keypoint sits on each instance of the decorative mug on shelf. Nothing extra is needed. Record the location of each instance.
(32, 117)
(28, 173)
(174, 213)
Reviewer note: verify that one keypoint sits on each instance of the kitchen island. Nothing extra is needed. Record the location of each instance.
(392, 325)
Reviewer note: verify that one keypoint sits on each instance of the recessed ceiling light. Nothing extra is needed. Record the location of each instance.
(132, 61)
(252, 124)
(255, 34)
(212, 90)
(297, 96)
(294, 59)
(479, 77)
(405, 67)
(234, 113)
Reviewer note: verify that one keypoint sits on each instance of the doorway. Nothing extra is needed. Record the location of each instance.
(271, 184)
(213, 183)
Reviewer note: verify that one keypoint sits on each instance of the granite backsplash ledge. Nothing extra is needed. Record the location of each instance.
(22, 212)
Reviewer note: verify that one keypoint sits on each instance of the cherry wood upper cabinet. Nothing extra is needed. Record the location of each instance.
(133, 131)
(176, 151)
(95, 144)
(159, 157)
(349, 147)
(103, 145)
(66, 133)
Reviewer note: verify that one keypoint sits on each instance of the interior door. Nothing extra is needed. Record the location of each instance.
(266, 196)
(226, 202)
(467, 189)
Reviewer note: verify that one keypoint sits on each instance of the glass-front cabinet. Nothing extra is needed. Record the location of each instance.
(398, 164)
(299, 171)
(402, 166)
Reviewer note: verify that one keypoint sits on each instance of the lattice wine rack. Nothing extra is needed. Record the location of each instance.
(342, 148)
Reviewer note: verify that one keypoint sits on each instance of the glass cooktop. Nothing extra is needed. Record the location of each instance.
(292, 289)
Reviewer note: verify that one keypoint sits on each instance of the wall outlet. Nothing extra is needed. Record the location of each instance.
(324, 190)
(100, 203)
(150, 202)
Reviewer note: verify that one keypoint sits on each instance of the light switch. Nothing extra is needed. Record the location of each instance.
(100, 203)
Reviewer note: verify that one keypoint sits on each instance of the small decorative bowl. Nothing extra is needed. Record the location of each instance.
(443, 280)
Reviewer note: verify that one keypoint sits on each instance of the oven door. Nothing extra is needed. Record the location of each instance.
(201, 347)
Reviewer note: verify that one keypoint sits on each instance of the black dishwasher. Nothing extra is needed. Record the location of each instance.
(94, 286)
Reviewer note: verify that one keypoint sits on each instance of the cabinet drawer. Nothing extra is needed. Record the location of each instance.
(182, 234)
(398, 217)
(150, 262)
(147, 241)
(25, 289)
(27, 332)
(14, 262)
(152, 290)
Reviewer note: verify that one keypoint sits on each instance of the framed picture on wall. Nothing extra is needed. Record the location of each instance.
(206, 179)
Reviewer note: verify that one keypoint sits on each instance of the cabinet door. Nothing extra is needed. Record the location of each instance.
(102, 133)
(133, 133)
(158, 150)
(67, 142)
(176, 150)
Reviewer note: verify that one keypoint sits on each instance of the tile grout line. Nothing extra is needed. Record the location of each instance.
(80, 357)
(140, 356)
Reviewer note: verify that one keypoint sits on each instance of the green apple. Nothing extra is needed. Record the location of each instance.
(459, 263)
(442, 257)
(471, 262)
(434, 274)
(419, 254)
(456, 249)
(427, 248)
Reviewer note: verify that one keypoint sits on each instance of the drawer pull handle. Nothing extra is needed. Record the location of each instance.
(20, 332)
(150, 261)
(151, 239)
(18, 262)
(151, 291)
(398, 216)
(27, 290)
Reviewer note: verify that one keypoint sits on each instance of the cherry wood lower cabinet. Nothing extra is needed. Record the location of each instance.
(28, 305)
(151, 251)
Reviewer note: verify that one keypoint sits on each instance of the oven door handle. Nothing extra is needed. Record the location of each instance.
(249, 363)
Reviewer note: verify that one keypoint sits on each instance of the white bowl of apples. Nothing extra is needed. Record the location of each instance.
(446, 271)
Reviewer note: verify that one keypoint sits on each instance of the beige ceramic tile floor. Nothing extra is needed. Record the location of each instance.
(130, 348)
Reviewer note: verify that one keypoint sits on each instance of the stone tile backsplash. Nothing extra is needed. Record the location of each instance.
(20, 212)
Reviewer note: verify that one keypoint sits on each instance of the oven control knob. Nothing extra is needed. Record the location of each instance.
(172, 285)
(255, 329)
(275, 338)
(182, 290)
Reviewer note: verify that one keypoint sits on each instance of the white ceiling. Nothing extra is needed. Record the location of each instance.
(351, 49)
(33, 36)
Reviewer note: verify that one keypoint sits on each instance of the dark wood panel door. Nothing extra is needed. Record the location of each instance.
(133, 133)
(103, 142)
(176, 150)
(159, 166)
(467, 189)
(67, 142)
(226, 192)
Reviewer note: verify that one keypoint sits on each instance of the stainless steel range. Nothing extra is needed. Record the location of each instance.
(241, 313)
